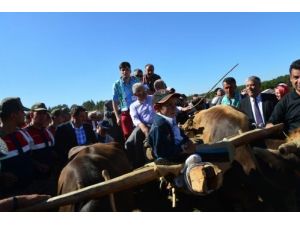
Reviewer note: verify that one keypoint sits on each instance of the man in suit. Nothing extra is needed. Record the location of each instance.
(74, 133)
(258, 106)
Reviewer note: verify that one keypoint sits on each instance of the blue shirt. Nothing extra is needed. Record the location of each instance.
(122, 92)
(235, 101)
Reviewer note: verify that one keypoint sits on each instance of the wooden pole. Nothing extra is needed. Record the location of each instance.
(124, 182)
(252, 135)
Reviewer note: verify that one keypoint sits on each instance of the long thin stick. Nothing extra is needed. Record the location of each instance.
(215, 85)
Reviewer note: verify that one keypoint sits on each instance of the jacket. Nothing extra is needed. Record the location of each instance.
(162, 141)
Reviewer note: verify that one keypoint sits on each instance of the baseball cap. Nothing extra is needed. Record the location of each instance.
(39, 107)
(162, 96)
(11, 104)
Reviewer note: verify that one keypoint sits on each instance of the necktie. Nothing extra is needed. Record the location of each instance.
(257, 114)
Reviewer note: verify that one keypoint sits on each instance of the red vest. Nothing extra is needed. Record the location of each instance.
(40, 138)
(21, 138)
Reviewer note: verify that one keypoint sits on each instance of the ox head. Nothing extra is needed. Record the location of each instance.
(216, 123)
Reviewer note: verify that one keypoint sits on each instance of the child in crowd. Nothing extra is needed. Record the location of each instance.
(165, 138)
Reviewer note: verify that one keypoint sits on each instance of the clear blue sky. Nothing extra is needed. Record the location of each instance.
(68, 58)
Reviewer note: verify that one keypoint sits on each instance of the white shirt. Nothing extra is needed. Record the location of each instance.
(142, 112)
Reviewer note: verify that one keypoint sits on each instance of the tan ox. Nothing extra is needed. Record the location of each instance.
(215, 123)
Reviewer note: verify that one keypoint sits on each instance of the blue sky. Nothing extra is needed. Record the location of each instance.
(68, 58)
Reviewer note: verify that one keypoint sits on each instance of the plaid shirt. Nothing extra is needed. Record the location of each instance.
(80, 135)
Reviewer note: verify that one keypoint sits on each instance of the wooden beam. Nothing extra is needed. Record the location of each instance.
(133, 179)
(252, 135)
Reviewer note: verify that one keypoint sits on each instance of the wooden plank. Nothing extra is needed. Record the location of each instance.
(252, 135)
(124, 182)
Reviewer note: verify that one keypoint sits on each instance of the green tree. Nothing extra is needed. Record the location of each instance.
(89, 105)
(100, 106)
(61, 106)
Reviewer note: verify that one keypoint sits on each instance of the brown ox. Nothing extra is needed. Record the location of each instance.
(85, 168)
(257, 179)
(215, 123)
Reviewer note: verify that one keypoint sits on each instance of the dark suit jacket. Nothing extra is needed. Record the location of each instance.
(268, 103)
(65, 139)
(162, 141)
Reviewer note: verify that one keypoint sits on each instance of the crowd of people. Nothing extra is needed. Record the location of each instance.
(144, 112)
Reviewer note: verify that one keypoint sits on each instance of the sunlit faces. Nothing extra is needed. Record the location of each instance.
(39, 118)
(220, 92)
(149, 70)
(140, 93)
(125, 72)
(229, 89)
(169, 107)
(58, 119)
(277, 93)
(20, 118)
(295, 79)
(80, 119)
(139, 74)
(252, 88)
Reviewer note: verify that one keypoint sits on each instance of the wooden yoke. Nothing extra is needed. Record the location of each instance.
(243, 152)
(142, 175)
(252, 135)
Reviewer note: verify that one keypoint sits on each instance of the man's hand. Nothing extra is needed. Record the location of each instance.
(268, 125)
(187, 108)
(144, 129)
(118, 120)
(115, 105)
